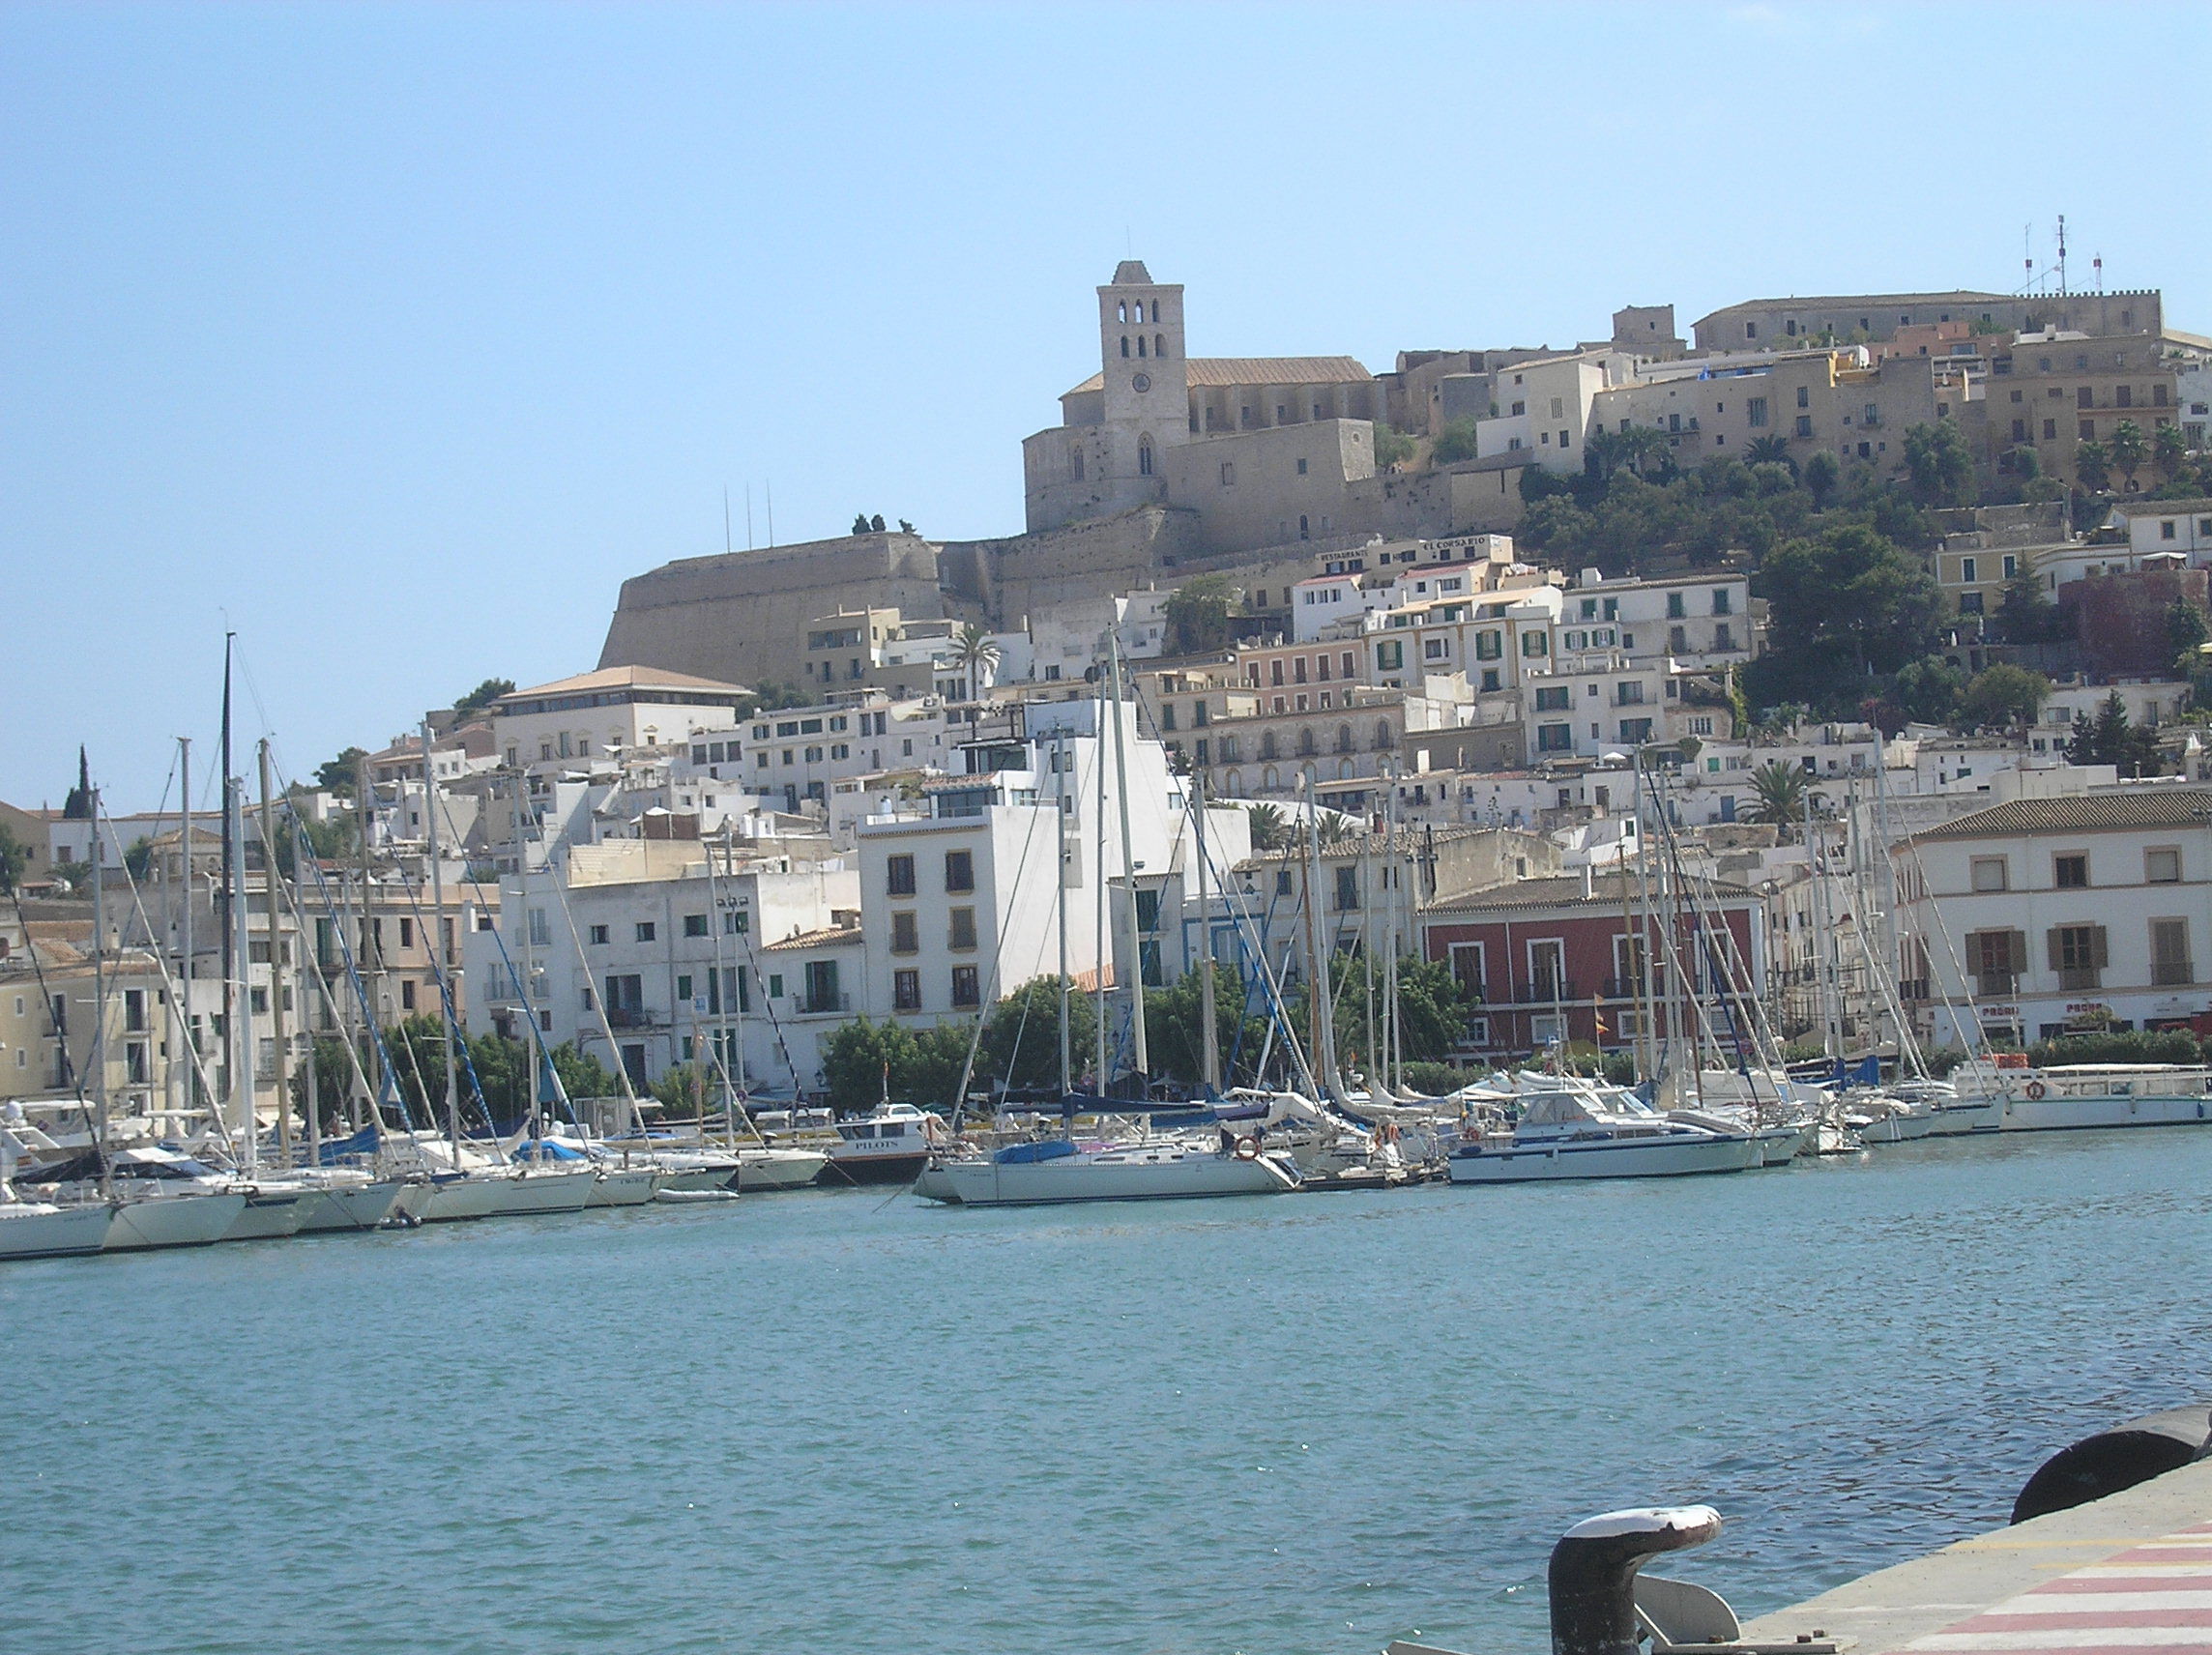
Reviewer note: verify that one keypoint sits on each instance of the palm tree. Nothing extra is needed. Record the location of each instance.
(1770, 451)
(2169, 450)
(1779, 792)
(1333, 829)
(2092, 465)
(978, 655)
(1270, 831)
(2129, 449)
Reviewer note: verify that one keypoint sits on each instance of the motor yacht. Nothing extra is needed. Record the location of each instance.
(1590, 1132)
(1047, 1170)
(889, 1145)
(2077, 1096)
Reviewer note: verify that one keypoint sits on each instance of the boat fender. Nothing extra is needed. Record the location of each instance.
(1248, 1148)
(2117, 1458)
(2036, 1089)
(1592, 1575)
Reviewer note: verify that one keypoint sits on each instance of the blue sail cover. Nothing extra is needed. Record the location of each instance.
(1866, 1072)
(337, 1150)
(547, 1150)
(1026, 1154)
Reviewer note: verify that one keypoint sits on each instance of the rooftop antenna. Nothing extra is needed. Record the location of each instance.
(748, 516)
(770, 489)
(2027, 258)
(2061, 256)
(2099, 263)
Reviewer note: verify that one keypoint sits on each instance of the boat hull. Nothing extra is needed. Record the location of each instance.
(1602, 1158)
(535, 1194)
(451, 1198)
(356, 1207)
(173, 1221)
(2057, 1112)
(841, 1171)
(1966, 1114)
(271, 1215)
(625, 1187)
(777, 1169)
(1079, 1179)
(55, 1232)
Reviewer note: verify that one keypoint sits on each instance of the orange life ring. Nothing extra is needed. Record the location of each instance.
(1247, 1149)
(2036, 1088)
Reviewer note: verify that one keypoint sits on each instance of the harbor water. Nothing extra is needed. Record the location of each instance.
(832, 1423)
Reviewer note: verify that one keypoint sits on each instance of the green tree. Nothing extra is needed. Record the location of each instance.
(1927, 690)
(1270, 829)
(876, 524)
(920, 1067)
(1433, 1008)
(1455, 442)
(2111, 738)
(771, 696)
(139, 857)
(1842, 605)
(2026, 614)
(859, 522)
(977, 653)
(682, 1092)
(1198, 614)
(1939, 464)
(1021, 1037)
(2002, 697)
(14, 857)
(342, 774)
(2093, 465)
(2024, 462)
(583, 1075)
(482, 696)
(1822, 478)
(1391, 447)
(1333, 827)
(1175, 1024)
(1778, 796)
(2129, 450)
(2185, 634)
(940, 1053)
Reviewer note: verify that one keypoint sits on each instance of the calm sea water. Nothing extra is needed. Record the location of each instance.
(826, 1423)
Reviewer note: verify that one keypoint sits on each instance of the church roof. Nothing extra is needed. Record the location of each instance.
(1131, 273)
(1258, 370)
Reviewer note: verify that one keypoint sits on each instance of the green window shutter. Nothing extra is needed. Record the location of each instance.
(2099, 954)
(2016, 952)
(2057, 956)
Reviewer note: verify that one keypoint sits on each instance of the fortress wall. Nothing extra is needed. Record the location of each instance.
(741, 617)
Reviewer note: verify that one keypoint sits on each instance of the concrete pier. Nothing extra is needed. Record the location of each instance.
(2131, 1571)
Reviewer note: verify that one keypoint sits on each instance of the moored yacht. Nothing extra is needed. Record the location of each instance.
(2078, 1096)
(1047, 1170)
(1600, 1133)
(41, 1229)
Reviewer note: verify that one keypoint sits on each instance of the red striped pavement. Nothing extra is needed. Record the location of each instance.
(2153, 1597)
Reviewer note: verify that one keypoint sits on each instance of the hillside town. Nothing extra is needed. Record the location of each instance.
(1888, 610)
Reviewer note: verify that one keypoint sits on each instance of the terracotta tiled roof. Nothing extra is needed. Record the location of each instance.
(2083, 813)
(832, 937)
(1259, 371)
(1564, 890)
(618, 678)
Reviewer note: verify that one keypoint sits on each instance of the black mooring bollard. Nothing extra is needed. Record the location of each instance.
(1593, 1573)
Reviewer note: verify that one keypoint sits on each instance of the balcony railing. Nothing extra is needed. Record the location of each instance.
(2171, 974)
(628, 1017)
(1996, 985)
(824, 1004)
(1623, 988)
(2072, 978)
(1912, 988)
(1544, 990)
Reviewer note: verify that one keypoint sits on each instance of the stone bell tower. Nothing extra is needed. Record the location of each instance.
(1147, 383)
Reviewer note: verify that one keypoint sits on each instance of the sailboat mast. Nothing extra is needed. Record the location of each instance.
(242, 1077)
(1209, 1046)
(1320, 952)
(96, 1055)
(222, 906)
(188, 1037)
(1100, 935)
(1059, 893)
(1139, 1055)
(279, 975)
(437, 943)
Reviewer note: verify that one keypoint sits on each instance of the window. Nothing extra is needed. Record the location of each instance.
(1997, 958)
(906, 990)
(1636, 730)
(2071, 872)
(598, 934)
(1347, 888)
(1804, 396)
(2076, 953)
(898, 876)
(2049, 430)
(966, 991)
(906, 935)
(1301, 468)
(2162, 865)
(1990, 873)
(961, 934)
(694, 925)
(645, 931)
(1227, 473)
(1555, 739)
(1723, 636)
(1389, 657)
(2088, 429)
(1804, 424)
(1754, 411)
(1536, 644)
(1145, 457)
(1678, 642)
(1552, 698)
(1675, 606)
(1723, 604)
(959, 870)
(2169, 964)
(1968, 570)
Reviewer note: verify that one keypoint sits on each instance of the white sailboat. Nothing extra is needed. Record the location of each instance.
(1600, 1133)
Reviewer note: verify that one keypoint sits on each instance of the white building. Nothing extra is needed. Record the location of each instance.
(604, 712)
(2065, 912)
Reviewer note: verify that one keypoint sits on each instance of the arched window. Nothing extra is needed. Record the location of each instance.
(1344, 769)
(1269, 780)
(1075, 460)
(1303, 534)
(1125, 344)
(1122, 312)
(1267, 748)
(1305, 742)
(1159, 340)
(1236, 782)
(1143, 456)
(1344, 738)
(1140, 344)
(1382, 735)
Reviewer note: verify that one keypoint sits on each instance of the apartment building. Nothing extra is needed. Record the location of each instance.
(600, 713)
(1696, 621)
(2041, 917)
(2051, 391)
(1837, 401)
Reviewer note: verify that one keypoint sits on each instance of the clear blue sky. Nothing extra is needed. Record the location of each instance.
(402, 336)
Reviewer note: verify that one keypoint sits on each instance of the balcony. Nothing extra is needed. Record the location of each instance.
(2173, 974)
(2072, 978)
(628, 1017)
(1623, 988)
(1996, 985)
(824, 1004)
(1544, 991)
